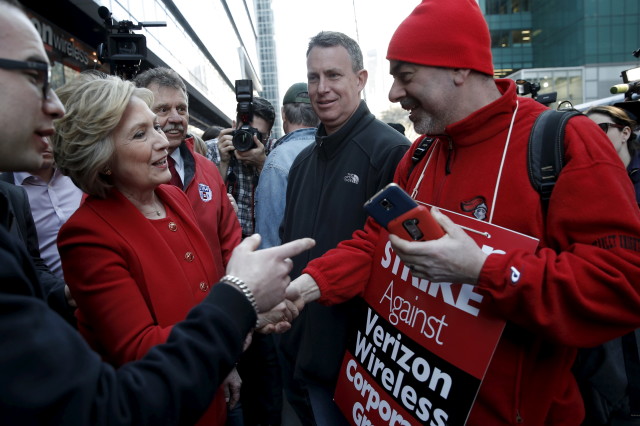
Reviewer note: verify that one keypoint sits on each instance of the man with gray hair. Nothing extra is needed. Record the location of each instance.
(299, 122)
(354, 156)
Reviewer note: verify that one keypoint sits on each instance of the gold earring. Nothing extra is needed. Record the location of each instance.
(107, 172)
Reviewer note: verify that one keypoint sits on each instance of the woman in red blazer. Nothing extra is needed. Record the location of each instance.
(132, 254)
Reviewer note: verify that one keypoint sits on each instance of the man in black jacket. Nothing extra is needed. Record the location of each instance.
(49, 375)
(354, 156)
(17, 219)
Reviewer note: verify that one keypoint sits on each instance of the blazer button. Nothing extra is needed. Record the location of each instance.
(188, 256)
(204, 286)
(173, 227)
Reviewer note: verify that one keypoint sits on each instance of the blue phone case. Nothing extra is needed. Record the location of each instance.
(389, 203)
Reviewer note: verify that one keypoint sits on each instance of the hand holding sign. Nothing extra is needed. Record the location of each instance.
(453, 258)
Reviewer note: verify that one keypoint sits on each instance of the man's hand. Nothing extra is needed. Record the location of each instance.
(278, 319)
(70, 300)
(454, 258)
(233, 202)
(303, 290)
(225, 145)
(266, 272)
(231, 386)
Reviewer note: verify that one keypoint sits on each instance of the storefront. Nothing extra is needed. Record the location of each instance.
(72, 39)
(68, 55)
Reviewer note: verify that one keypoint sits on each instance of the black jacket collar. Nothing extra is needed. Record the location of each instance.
(329, 145)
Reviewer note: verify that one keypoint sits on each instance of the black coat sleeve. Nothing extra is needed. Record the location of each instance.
(49, 375)
(52, 286)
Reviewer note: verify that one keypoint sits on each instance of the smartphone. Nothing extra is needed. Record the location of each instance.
(395, 210)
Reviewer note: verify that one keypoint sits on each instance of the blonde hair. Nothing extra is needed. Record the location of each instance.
(82, 145)
(199, 146)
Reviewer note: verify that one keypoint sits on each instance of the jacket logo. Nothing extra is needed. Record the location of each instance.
(352, 178)
(205, 192)
(515, 275)
(477, 206)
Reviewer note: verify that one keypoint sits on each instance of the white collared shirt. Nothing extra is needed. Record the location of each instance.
(179, 163)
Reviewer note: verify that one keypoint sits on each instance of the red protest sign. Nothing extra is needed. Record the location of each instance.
(422, 347)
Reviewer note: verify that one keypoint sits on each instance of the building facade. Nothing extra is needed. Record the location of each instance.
(268, 61)
(210, 44)
(577, 48)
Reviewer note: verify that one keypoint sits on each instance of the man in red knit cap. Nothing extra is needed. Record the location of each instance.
(575, 291)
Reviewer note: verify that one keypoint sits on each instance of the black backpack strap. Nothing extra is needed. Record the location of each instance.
(420, 152)
(546, 151)
(632, 368)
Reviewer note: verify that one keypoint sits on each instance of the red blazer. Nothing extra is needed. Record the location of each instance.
(127, 280)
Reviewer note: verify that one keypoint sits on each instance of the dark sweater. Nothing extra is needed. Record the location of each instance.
(329, 182)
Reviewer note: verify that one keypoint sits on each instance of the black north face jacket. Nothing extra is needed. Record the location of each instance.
(329, 182)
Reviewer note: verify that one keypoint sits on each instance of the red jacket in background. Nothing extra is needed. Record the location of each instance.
(207, 194)
(579, 289)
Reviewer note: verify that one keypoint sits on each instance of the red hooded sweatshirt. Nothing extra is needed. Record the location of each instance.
(579, 289)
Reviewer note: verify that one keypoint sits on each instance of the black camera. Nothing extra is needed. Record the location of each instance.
(524, 87)
(124, 49)
(243, 135)
(631, 82)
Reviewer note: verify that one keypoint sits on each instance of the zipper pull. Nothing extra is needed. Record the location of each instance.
(447, 167)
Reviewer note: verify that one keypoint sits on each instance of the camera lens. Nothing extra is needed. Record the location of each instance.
(243, 138)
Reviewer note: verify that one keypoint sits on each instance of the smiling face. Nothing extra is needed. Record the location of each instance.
(171, 107)
(334, 88)
(47, 156)
(140, 160)
(426, 92)
(26, 118)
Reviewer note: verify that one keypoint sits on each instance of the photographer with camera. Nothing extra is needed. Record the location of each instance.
(239, 152)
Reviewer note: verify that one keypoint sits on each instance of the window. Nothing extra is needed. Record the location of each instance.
(504, 7)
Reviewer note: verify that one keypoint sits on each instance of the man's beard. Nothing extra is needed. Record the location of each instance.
(425, 124)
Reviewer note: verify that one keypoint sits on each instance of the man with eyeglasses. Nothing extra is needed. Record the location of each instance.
(29, 117)
(34, 115)
(49, 375)
(241, 169)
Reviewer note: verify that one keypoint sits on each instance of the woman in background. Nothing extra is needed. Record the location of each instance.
(619, 127)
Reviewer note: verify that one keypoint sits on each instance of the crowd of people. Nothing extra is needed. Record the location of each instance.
(151, 276)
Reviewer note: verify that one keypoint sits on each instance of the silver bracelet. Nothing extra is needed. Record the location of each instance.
(245, 290)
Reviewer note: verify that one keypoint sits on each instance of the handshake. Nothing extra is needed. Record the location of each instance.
(266, 274)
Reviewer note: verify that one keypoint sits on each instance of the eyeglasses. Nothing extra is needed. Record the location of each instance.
(605, 126)
(43, 72)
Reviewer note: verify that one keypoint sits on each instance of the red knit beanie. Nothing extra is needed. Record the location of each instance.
(444, 33)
